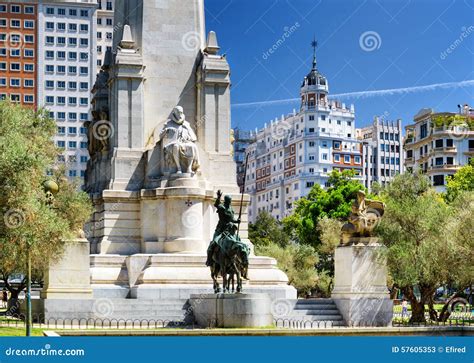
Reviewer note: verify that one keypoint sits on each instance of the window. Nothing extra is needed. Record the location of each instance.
(338, 122)
(15, 98)
(28, 98)
(61, 11)
(72, 144)
(72, 158)
(72, 12)
(84, 42)
(84, 13)
(72, 42)
(99, 49)
(109, 22)
(109, 5)
(449, 143)
(29, 53)
(50, 11)
(61, 41)
(72, 101)
(84, 101)
(72, 117)
(15, 82)
(61, 84)
(15, 67)
(61, 100)
(28, 83)
(3, 23)
(61, 55)
(72, 130)
(49, 68)
(347, 159)
(83, 130)
(336, 145)
(3, 8)
(72, 56)
(61, 130)
(309, 184)
(84, 28)
(3, 82)
(49, 40)
(29, 38)
(450, 160)
(439, 143)
(61, 69)
(438, 180)
(15, 52)
(29, 24)
(29, 67)
(423, 131)
(3, 36)
(15, 23)
(84, 86)
(29, 9)
(324, 156)
(72, 173)
(62, 117)
(72, 85)
(357, 159)
(84, 56)
(83, 144)
(83, 159)
(72, 70)
(3, 66)
(337, 158)
(84, 117)
(311, 130)
(311, 117)
(49, 54)
(99, 35)
(84, 71)
(61, 143)
(311, 144)
(15, 9)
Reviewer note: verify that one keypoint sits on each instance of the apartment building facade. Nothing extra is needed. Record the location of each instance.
(382, 147)
(437, 148)
(105, 28)
(18, 52)
(292, 154)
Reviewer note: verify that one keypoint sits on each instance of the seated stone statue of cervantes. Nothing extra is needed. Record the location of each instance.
(179, 144)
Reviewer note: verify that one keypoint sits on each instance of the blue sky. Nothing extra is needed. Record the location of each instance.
(363, 46)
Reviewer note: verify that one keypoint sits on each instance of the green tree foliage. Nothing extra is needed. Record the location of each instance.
(333, 202)
(421, 233)
(27, 151)
(297, 261)
(463, 180)
(267, 230)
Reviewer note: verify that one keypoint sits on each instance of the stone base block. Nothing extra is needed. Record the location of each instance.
(232, 310)
(365, 311)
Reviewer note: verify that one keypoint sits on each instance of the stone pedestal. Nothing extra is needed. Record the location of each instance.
(360, 285)
(231, 310)
(69, 277)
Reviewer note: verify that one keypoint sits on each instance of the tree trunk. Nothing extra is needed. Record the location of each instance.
(417, 307)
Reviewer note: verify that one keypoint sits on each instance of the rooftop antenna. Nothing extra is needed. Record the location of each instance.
(314, 44)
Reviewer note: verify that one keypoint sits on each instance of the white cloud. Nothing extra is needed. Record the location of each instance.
(366, 94)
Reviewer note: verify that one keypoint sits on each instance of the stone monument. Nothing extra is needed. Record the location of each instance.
(360, 278)
(160, 149)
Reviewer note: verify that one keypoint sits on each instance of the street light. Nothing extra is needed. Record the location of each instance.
(51, 188)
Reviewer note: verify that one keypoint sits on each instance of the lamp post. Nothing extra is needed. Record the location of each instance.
(51, 188)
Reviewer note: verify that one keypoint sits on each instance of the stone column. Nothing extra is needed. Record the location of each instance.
(360, 285)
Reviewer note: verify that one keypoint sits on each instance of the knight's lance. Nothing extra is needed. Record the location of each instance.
(243, 191)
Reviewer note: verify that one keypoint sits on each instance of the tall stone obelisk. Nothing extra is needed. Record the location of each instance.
(152, 226)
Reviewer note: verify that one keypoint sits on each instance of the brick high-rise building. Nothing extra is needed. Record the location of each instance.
(18, 52)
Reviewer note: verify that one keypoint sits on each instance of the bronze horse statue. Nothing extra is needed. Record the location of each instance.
(230, 263)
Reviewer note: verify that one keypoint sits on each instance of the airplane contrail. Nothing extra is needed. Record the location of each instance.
(367, 94)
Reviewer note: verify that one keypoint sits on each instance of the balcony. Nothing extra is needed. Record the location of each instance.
(443, 167)
(443, 149)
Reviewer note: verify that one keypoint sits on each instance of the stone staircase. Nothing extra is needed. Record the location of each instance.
(310, 313)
